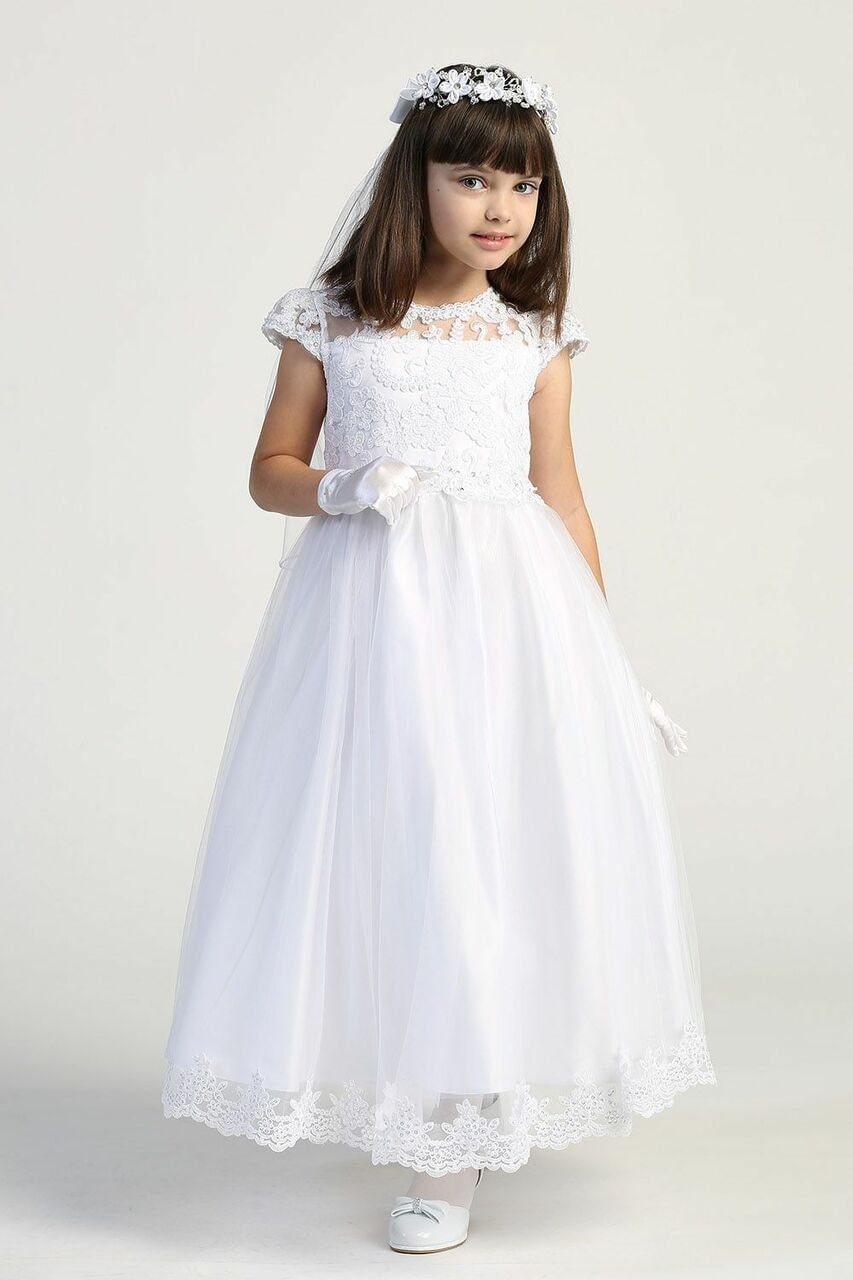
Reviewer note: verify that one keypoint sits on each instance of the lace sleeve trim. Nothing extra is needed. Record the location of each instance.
(295, 315)
(574, 337)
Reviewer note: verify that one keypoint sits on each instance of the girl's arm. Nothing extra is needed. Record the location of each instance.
(552, 460)
(280, 477)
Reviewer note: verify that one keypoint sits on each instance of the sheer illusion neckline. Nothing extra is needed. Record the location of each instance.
(446, 310)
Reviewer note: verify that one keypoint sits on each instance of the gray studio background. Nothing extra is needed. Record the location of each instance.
(169, 171)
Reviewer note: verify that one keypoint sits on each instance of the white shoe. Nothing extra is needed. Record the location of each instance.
(417, 1225)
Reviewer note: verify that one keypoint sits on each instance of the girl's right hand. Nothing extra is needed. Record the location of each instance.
(386, 484)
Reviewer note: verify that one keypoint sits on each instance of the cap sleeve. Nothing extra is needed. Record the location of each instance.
(296, 315)
(573, 336)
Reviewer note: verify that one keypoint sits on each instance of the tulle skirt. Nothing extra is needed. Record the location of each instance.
(439, 912)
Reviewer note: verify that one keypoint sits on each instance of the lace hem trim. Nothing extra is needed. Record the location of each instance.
(394, 1132)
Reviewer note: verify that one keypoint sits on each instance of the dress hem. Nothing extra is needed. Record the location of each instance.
(392, 1132)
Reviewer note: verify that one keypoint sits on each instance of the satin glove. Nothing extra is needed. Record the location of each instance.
(386, 484)
(674, 737)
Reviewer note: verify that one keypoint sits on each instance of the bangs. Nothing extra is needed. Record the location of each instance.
(502, 135)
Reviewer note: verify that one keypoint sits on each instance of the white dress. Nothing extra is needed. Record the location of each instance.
(439, 913)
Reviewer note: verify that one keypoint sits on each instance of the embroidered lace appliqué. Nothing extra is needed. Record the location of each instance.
(500, 1136)
(448, 388)
(295, 316)
(573, 336)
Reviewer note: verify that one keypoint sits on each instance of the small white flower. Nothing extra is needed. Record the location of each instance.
(492, 86)
(455, 84)
(532, 91)
(424, 84)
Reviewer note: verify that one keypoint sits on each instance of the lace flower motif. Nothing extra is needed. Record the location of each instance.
(500, 1134)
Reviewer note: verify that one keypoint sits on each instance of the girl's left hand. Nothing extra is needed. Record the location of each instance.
(674, 737)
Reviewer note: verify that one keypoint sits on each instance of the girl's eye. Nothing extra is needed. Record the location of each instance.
(474, 178)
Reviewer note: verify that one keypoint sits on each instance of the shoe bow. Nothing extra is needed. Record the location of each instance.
(416, 1204)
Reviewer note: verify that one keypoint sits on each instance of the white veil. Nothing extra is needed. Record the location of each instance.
(350, 215)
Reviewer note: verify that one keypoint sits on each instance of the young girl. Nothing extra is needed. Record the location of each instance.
(438, 913)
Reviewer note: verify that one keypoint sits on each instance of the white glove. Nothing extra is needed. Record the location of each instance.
(674, 737)
(386, 484)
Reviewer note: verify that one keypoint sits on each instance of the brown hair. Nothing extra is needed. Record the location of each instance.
(379, 266)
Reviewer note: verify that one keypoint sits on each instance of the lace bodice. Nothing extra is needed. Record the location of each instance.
(448, 388)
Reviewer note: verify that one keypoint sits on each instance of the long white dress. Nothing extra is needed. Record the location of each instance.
(438, 913)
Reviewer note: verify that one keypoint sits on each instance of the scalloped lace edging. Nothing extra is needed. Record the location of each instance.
(394, 1132)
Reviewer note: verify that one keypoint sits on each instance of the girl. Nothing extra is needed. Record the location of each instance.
(438, 913)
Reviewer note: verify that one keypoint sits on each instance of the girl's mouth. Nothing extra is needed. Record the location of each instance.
(492, 241)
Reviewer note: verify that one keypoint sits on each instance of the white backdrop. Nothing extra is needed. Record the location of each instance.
(169, 171)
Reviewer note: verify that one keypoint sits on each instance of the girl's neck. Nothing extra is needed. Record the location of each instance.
(435, 291)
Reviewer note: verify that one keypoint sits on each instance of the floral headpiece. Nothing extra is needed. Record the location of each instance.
(479, 85)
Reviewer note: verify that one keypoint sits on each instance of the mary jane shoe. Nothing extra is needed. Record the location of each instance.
(417, 1225)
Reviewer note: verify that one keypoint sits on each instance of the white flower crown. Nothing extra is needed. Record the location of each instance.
(479, 85)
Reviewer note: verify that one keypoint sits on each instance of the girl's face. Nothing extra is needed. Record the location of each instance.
(467, 203)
